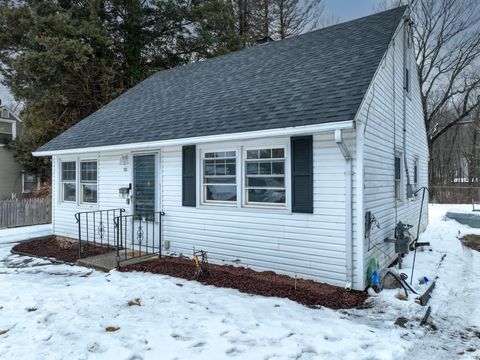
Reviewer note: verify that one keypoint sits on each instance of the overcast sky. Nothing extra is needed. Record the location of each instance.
(342, 9)
(349, 9)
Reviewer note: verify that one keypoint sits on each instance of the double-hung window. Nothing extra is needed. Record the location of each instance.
(220, 177)
(69, 181)
(88, 182)
(6, 132)
(265, 176)
(30, 183)
(80, 189)
(398, 178)
(415, 175)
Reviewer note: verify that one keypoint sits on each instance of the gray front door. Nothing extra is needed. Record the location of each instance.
(144, 185)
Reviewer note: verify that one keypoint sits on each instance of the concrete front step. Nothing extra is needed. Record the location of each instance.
(108, 261)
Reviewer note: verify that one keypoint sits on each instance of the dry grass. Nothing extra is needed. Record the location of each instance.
(472, 241)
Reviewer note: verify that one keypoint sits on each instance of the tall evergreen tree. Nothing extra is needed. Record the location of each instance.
(65, 59)
(58, 61)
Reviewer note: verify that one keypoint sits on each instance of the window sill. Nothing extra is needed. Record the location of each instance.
(77, 206)
(220, 203)
(245, 208)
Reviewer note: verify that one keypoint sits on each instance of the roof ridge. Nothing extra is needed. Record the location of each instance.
(313, 78)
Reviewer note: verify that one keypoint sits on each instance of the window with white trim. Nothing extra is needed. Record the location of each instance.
(407, 80)
(398, 177)
(265, 176)
(88, 182)
(30, 183)
(219, 176)
(69, 181)
(415, 175)
(6, 132)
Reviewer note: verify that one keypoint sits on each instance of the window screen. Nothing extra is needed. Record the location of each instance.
(398, 177)
(68, 169)
(265, 176)
(88, 181)
(6, 132)
(220, 176)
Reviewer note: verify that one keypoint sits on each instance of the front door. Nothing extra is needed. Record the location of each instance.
(144, 236)
(144, 185)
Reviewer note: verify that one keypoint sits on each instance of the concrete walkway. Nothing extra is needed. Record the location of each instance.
(108, 261)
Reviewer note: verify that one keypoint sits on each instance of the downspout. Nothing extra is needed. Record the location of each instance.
(348, 209)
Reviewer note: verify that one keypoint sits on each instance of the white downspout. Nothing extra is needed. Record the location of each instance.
(348, 209)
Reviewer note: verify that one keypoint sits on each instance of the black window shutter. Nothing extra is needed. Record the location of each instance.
(189, 184)
(302, 173)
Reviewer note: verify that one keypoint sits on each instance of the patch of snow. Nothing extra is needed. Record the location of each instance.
(62, 312)
(17, 234)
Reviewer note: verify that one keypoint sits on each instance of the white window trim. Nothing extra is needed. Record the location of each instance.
(245, 188)
(240, 147)
(14, 128)
(80, 182)
(77, 203)
(203, 199)
(399, 200)
(23, 183)
(416, 163)
(62, 198)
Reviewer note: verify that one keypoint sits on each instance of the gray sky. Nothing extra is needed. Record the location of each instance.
(349, 9)
(344, 10)
(5, 95)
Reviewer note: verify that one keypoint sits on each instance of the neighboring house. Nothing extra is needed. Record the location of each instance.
(271, 157)
(14, 182)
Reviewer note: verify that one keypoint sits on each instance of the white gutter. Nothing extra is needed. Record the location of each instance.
(294, 130)
(348, 209)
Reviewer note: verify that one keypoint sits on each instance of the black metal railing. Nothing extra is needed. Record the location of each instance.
(138, 235)
(97, 228)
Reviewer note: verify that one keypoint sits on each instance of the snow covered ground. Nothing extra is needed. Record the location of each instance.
(27, 232)
(61, 312)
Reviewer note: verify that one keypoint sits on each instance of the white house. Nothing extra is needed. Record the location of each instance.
(275, 157)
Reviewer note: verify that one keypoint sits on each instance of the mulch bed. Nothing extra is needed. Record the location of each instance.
(60, 250)
(472, 241)
(267, 283)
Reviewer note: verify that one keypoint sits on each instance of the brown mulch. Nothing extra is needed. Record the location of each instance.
(60, 250)
(472, 241)
(267, 283)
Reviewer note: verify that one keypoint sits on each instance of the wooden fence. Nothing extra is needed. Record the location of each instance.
(30, 211)
(455, 194)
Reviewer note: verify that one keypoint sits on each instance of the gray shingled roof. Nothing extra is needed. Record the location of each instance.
(314, 78)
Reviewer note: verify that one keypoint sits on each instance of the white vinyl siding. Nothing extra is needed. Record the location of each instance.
(111, 175)
(307, 245)
(382, 140)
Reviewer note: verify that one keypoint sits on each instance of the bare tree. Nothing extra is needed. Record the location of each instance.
(295, 16)
(447, 38)
(447, 43)
(278, 19)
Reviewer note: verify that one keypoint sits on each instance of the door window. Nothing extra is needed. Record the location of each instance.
(143, 185)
